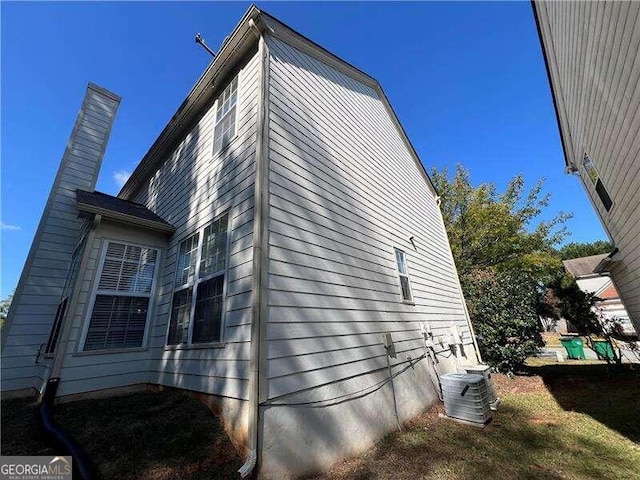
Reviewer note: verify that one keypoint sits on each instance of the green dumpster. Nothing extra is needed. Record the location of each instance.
(603, 349)
(574, 347)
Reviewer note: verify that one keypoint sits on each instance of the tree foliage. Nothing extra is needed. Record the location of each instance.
(578, 250)
(4, 309)
(565, 299)
(503, 307)
(500, 231)
(504, 252)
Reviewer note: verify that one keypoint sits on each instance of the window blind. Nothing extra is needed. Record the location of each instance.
(120, 308)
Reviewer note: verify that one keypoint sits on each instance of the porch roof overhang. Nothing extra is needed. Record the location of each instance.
(120, 210)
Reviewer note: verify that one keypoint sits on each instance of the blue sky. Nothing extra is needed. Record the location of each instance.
(467, 81)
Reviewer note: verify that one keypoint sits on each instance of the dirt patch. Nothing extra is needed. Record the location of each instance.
(150, 436)
(542, 421)
(506, 385)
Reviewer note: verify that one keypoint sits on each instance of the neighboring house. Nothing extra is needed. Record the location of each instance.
(591, 51)
(601, 285)
(279, 226)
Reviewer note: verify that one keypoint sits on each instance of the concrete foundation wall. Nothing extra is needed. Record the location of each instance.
(298, 440)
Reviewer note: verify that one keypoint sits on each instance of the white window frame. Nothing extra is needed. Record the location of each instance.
(193, 285)
(400, 274)
(217, 121)
(95, 291)
(73, 274)
(594, 181)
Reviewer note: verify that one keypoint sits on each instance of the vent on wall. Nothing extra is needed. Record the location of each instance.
(466, 398)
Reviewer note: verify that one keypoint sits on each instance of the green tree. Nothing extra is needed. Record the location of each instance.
(578, 250)
(4, 308)
(501, 231)
(565, 299)
(503, 308)
(505, 253)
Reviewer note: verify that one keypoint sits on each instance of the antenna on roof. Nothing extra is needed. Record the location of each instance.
(200, 40)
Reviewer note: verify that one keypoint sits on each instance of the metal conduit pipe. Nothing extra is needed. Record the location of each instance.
(259, 252)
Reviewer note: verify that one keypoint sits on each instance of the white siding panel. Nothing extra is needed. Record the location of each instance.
(43, 277)
(188, 190)
(593, 53)
(344, 190)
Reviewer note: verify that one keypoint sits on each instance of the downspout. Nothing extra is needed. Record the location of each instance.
(260, 239)
(455, 274)
(82, 466)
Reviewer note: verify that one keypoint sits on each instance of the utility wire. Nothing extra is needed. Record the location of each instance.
(328, 402)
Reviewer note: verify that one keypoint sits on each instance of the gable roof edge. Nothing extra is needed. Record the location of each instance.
(202, 91)
(308, 46)
(199, 94)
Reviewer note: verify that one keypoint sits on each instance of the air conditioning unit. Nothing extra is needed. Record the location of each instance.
(466, 398)
(485, 371)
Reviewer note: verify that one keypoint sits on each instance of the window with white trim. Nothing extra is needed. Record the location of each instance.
(198, 298)
(594, 177)
(403, 273)
(67, 290)
(121, 303)
(225, 127)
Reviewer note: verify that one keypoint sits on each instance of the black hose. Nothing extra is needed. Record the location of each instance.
(82, 467)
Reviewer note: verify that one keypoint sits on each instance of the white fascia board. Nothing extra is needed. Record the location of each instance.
(232, 48)
(128, 219)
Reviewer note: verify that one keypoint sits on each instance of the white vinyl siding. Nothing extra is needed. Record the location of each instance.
(196, 313)
(121, 303)
(338, 172)
(593, 53)
(192, 187)
(42, 281)
(225, 127)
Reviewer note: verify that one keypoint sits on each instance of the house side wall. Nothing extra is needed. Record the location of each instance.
(593, 53)
(43, 277)
(594, 284)
(344, 191)
(189, 190)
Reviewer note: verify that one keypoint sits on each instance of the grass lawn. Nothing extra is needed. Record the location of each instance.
(565, 421)
(575, 420)
(156, 436)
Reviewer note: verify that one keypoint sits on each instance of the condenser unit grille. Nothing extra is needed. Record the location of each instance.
(485, 371)
(466, 397)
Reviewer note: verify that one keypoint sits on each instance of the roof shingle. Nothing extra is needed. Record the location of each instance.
(582, 267)
(109, 203)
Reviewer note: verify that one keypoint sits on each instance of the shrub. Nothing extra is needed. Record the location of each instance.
(503, 309)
